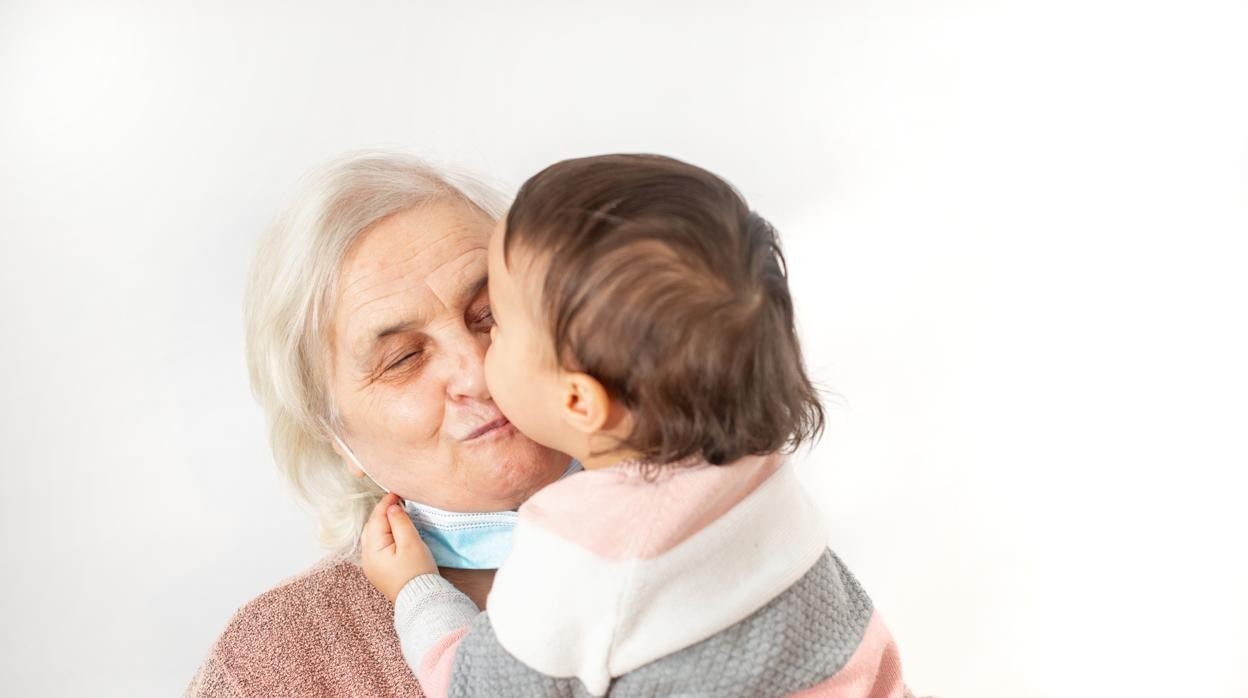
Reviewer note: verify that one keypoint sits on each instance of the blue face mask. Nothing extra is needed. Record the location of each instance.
(464, 540)
(467, 540)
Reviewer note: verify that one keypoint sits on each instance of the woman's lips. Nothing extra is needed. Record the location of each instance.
(487, 428)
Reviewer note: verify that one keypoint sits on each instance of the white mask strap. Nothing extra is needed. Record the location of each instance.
(356, 461)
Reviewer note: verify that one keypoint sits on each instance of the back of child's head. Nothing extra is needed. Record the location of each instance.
(665, 287)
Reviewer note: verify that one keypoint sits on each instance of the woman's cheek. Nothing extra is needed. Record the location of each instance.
(417, 413)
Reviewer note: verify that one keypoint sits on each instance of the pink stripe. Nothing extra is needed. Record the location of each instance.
(434, 672)
(874, 670)
(588, 508)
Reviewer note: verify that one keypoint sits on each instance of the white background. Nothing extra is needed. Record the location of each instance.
(1017, 241)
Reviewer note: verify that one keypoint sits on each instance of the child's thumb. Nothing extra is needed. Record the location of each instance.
(404, 531)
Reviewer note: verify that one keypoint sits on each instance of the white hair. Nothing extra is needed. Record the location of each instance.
(289, 306)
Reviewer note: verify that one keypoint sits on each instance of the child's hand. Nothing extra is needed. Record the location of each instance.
(391, 550)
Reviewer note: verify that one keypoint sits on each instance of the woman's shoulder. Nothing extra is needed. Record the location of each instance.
(325, 631)
(331, 587)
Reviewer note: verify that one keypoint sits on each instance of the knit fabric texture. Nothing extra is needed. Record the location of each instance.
(803, 636)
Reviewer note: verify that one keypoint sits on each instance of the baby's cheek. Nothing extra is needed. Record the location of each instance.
(492, 377)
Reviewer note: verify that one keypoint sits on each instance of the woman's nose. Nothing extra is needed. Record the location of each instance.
(466, 368)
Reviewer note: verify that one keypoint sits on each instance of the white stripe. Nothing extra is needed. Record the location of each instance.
(566, 612)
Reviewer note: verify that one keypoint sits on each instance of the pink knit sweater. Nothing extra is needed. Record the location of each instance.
(326, 632)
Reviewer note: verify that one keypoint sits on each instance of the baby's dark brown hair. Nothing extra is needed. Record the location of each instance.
(663, 285)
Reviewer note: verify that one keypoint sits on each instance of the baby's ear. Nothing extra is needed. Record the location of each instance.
(586, 404)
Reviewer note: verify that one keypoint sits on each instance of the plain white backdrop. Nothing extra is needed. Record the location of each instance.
(1016, 236)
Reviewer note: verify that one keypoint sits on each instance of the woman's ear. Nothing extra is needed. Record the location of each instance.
(586, 404)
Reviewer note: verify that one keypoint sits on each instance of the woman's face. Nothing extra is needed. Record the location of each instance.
(410, 330)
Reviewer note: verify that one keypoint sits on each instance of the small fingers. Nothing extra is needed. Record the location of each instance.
(377, 534)
(401, 526)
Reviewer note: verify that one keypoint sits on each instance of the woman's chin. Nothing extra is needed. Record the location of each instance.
(511, 469)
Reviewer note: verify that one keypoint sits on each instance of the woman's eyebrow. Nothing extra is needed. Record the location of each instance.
(476, 288)
(397, 328)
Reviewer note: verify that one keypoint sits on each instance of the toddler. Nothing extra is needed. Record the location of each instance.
(643, 325)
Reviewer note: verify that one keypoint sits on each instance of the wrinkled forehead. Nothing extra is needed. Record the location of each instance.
(410, 270)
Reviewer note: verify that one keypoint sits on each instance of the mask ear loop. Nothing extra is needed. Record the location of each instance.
(356, 461)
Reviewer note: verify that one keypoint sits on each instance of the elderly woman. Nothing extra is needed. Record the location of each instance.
(367, 320)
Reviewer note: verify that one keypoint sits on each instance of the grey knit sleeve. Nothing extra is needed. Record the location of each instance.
(426, 610)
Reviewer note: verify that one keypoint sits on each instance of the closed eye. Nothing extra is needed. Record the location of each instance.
(485, 318)
(403, 359)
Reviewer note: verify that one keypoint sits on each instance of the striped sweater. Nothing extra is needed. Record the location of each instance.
(704, 580)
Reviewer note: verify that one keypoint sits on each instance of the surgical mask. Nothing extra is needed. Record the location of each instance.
(464, 540)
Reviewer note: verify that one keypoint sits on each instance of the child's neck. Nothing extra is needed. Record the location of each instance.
(606, 460)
